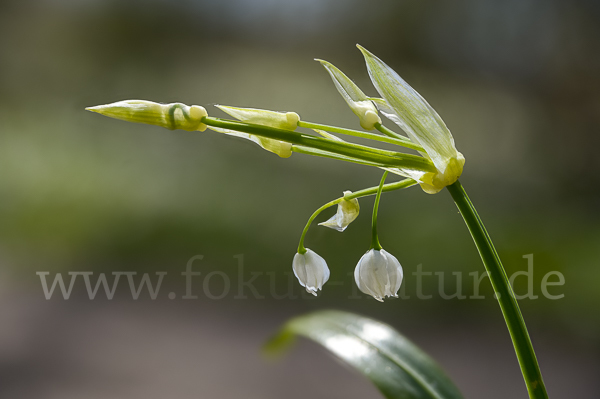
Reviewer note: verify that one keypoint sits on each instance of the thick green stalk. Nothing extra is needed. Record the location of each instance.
(502, 288)
(365, 153)
(397, 139)
(326, 154)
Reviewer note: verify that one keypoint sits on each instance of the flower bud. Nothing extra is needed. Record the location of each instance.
(311, 270)
(281, 148)
(358, 102)
(379, 274)
(347, 211)
(281, 120)
(170, 116)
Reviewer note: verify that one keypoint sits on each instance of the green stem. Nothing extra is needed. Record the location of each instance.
(374, 238)
(504, 293)
(326, 154)
(397, 139)
(386, 187)
(391, 133)
(365, 153)
(301, 249)
(358, 194)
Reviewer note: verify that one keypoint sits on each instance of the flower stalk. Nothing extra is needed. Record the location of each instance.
(391, 139)
(374, 237)
(362, 152)
(357, 194)
(504, 293)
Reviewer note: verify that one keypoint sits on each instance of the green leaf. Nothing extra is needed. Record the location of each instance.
(395, 365)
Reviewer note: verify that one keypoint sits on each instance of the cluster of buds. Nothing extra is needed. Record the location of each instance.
(438, 164)
(378, 273)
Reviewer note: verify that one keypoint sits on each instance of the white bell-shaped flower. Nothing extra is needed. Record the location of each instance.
(311, 270)
(347, 212)
(379, 274)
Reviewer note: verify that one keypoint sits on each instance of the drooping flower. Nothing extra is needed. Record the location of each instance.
(170, 116)
(413, 114)
(311, 270)
(379, 274)
(347, 212)
(358, 101)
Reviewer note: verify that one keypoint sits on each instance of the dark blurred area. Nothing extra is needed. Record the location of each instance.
(517, 83)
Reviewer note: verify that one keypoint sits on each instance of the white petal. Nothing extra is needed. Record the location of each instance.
(373, 274)
(299, 268)
(311, 270)
(395, 273)
(379, 274)
(347, 212)
(359, 273)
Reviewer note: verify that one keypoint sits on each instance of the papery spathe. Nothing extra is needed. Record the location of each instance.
(412, 113)
(347, 212)
(170, 116)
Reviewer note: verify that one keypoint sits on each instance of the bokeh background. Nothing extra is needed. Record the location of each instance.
(516, 81)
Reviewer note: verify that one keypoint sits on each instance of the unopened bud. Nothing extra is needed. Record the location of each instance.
(170, 116)
(280, 120)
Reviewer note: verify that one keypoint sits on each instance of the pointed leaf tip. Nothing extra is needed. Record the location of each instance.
(418, 119)
(361, 48)
(358, 101)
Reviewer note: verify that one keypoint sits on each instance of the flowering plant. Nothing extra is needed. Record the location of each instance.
(363, 342)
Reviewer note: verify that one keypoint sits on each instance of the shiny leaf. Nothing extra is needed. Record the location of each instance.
(397, 367)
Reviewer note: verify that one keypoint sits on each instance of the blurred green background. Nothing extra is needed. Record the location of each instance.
(517, 83)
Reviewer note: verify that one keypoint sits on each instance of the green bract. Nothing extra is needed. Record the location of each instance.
(404, 106)
(281, 148)
(170, 116)
(281, 120)
(347, 212)
(358, 102)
